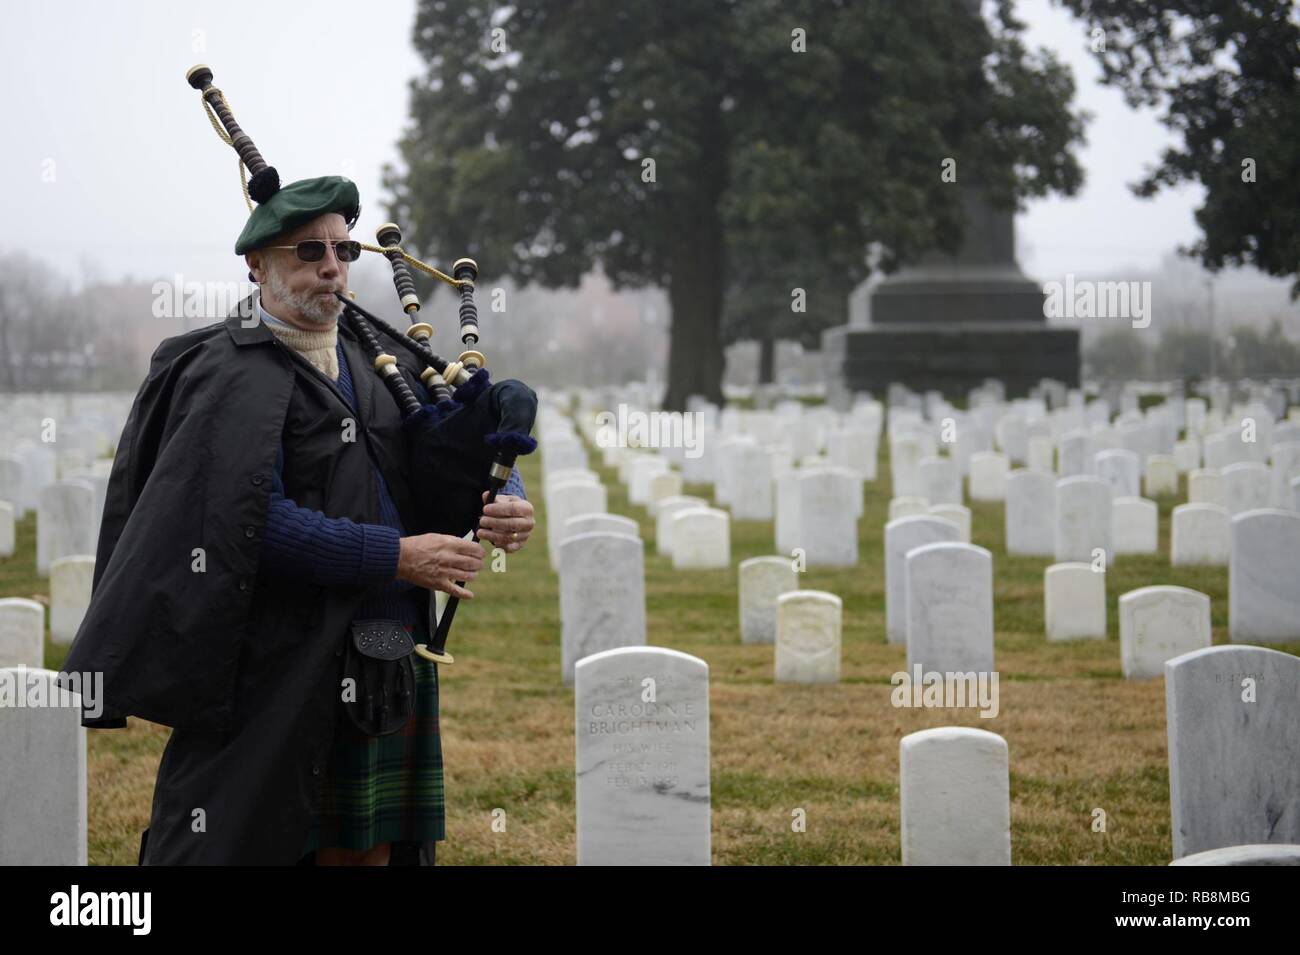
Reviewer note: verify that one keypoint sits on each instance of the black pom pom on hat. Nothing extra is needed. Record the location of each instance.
(264, 185)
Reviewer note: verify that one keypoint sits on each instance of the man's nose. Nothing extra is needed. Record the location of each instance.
(330, 266)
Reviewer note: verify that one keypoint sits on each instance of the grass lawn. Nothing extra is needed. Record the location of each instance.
(1080, 736)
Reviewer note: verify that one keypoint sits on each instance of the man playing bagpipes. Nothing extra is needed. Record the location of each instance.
(276, 524)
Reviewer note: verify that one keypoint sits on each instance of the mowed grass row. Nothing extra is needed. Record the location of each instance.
(1080, 737)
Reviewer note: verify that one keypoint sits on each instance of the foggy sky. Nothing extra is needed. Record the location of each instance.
(144, 188)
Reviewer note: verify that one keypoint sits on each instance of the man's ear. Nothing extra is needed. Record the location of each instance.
(254, 262)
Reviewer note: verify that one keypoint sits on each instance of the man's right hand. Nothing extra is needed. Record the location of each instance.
(438, 561)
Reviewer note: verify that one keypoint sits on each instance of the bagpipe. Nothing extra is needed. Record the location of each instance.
(468, 437)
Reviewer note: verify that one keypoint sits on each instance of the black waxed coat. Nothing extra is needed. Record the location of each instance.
(245, 668)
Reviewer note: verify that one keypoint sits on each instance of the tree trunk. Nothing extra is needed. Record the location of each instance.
(695, 355)
(766, 359)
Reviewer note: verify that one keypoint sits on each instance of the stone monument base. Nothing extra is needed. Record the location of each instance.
(951, 357)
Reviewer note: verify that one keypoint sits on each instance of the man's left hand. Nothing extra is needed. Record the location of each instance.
(506, 522)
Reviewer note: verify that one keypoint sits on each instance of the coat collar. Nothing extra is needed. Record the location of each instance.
(253, 331)
(244, 324)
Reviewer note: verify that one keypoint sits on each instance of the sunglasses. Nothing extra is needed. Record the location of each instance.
(313, 250)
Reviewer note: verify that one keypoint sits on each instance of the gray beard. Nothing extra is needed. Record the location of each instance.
(316, 309)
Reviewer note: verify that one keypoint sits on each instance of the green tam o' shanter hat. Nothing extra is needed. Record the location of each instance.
(292, 205)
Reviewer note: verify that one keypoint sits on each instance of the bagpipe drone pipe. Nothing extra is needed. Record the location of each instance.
(462, 443)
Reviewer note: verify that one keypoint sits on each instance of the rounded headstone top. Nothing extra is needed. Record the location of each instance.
(814, 596)
(1281, 854)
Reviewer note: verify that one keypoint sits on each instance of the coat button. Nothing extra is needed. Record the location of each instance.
(243, 585)
(258, 479)
(249, 531)
(315, 769)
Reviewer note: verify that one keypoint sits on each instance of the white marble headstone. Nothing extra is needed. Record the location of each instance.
(99, 484)
(750, 483)
(642, 738)
(1199, 536)
(1074, 454)
(605, 523)
(569, 476)
(940, 480)
(22, 632)
(567, 500)
(1012, 439)
(602, 596)
(725, 471)
(1136, 437)
(901, 536)
(828, 529)
(970, 438)
(663, 485)
(65, 522)
(762, 581)
(988, 476)
(907, 506)
(701, 538)
(1121, 469)
(786, 527)
(12, 488)
(8, 537)
(1187, 455)
(1074, 602)
(1215, 450)
(1286, 468)
(1083, 518)
(1162, 475)
(959, 514)
(42, 771)
(1244, 855)
(1159, 623)
(955, 791)
(669, 507)
(39, 470)
(1205, 486)
(1234, 753)
(949, 624)
(1264, 577)
(854, 448)
(1134, 525)
(562, 451)
(70, 583)
(905, 467)
(642, 470)
(1041, 454)
(1030, 513)
(809, 628)
(1247, 486)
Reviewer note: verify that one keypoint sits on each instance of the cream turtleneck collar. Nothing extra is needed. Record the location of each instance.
(318, 347)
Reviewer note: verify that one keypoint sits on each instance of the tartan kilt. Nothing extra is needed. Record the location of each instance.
(385, 788)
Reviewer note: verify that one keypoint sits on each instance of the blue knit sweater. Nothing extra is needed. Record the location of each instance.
(304, 544)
